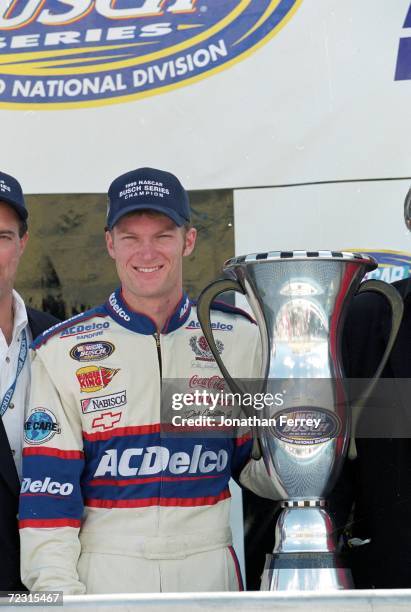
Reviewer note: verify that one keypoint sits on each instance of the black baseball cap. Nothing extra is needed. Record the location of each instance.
(147, 189)
(12, 193)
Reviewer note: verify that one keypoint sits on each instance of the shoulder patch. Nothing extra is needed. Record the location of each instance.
(99, 311)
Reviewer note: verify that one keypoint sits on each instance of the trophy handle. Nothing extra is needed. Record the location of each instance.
(205, 300)
(397, 309)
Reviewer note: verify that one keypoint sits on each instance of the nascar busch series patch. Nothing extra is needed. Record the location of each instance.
(40, 426)
(77, 53)
(94, 378)
(199, 346)
(93, 404)
(92, 351)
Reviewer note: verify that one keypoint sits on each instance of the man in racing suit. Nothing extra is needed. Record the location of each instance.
(109, 501)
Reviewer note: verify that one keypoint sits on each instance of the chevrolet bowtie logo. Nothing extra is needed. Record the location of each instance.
(107, 420)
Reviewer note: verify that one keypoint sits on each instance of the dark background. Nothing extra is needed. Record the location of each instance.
(66, 268)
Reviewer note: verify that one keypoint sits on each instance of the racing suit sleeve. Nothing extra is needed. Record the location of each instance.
(254, 476)
(51, 504)
(250, 473)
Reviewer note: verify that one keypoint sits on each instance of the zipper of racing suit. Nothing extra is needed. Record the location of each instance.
(160, 365)
(158, 345)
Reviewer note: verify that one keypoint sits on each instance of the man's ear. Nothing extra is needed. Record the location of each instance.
(190, 240)
(23, 242)
(110, 243)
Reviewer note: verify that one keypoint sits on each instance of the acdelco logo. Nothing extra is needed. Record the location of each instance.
(82, 328)
(71, 53)
(184, 308)
(156, 459)
(46, 486)
(118, 309)
(219, 326)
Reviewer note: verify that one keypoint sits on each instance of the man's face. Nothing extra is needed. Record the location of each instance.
(11, 247)
(148, 251)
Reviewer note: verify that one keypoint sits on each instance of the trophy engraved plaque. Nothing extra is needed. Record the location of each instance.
(299, 300)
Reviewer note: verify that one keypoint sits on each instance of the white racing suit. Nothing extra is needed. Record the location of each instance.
(109, 502)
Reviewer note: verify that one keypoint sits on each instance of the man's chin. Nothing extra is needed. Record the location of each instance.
(147, 293)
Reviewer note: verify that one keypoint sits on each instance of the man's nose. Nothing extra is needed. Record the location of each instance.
(147, 250)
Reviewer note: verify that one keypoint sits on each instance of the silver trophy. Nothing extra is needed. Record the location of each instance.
(300, 300)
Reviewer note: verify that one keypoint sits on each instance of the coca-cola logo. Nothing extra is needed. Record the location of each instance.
(212, 382)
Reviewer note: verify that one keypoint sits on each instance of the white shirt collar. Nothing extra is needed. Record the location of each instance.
(20, 315)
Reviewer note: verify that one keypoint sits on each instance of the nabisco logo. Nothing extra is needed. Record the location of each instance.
(73, 53)
(156, 459)
(114, 400)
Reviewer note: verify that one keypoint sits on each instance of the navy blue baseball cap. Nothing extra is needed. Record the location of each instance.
(147, 189)
(12, 193)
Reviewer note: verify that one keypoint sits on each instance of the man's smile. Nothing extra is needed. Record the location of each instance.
(147, 270)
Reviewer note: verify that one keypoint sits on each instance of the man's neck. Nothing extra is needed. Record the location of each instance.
(158, 309)
(7, 316)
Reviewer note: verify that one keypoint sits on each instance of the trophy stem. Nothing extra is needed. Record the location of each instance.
(305, 555)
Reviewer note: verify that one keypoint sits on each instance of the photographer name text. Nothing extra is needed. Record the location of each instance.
(251, 421)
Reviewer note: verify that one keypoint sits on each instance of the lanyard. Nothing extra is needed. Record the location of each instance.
(20, 363)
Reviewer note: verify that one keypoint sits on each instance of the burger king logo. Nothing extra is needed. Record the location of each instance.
(94, 378)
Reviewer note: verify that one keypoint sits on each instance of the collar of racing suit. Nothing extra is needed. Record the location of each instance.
(118, 309)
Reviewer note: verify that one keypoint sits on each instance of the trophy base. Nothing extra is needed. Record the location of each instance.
(305, 572)
(305, 556)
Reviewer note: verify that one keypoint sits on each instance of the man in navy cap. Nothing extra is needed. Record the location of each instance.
(110, 502)
(18, 326)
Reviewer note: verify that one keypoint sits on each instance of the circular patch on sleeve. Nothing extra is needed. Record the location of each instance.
(40, 426)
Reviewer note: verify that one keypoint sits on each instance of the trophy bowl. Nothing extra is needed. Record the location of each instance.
(299, 300)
